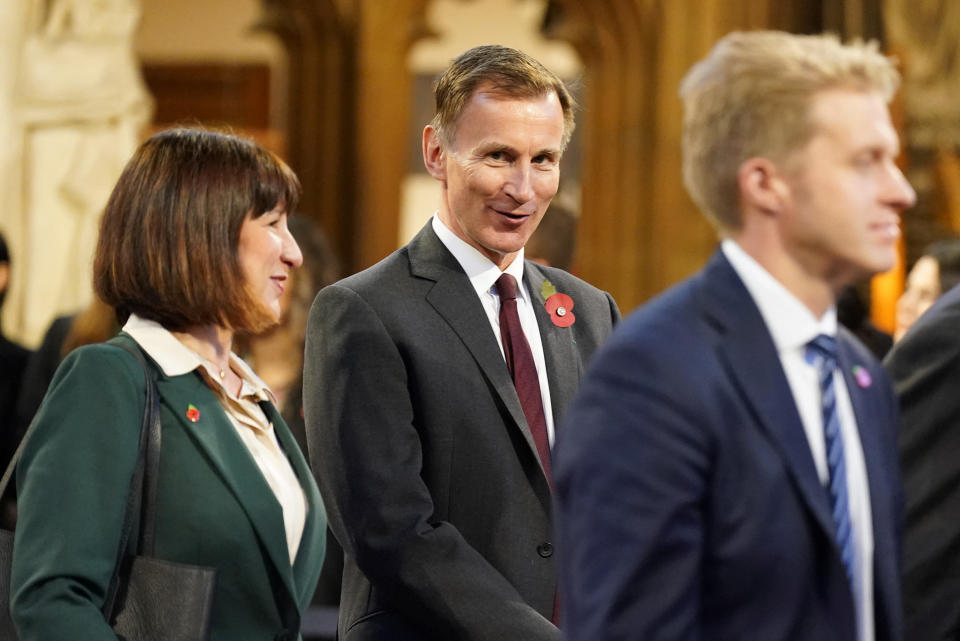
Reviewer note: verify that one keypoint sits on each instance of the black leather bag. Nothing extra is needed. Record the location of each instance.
(148, 599)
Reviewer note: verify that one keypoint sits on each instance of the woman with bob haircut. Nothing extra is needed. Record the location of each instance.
(193, 249)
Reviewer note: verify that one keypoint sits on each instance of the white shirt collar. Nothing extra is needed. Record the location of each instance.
(481, 271)
(791, 323)
(176, 359)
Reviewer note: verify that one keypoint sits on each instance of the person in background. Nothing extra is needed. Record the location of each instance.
(554, 242)
(854, 314)
(193, 248)
(925, 367)
(277, 354)
(433, 380)
(728, 468)
(277, 357)
(934, 274)
(95, 324)
(13, 362)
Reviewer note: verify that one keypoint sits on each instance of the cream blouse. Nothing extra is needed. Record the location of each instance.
(244, 412)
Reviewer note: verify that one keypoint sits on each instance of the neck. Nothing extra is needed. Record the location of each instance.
(814, 290)
(212, 342)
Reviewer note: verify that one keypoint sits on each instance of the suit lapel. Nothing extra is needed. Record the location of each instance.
(564, 365)
(215, 435)
(746, 347)
(452, 296)
(309, 557)
(870, 427)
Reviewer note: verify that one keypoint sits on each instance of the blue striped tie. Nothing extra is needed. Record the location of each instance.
(822, 352)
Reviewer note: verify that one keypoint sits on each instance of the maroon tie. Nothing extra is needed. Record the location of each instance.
(522, 368)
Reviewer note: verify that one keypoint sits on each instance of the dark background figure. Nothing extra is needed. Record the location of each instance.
(554, 242)
(13, 363)
(277, 357)
(854, 314)
(925, 367)
(277, 354)
(95, 324)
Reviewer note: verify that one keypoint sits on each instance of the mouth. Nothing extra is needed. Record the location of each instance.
(512, 217)
(279, 281)
(888, 229)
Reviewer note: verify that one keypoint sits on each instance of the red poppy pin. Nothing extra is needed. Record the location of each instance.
(559, 306)
(193, 414)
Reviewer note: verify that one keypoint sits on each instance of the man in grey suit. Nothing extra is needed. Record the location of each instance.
(434, 379)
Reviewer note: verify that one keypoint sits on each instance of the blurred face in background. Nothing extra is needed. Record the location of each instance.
(922, 289)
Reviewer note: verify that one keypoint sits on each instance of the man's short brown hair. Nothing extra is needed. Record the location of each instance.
(170, 234)
(751, 97)
(500, 70)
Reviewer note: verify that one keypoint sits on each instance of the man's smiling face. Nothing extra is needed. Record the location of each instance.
(500, 171)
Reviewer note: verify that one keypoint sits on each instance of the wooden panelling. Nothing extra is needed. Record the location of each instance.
(235, 94)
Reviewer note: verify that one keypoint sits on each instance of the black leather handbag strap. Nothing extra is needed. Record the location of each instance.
(141, 501)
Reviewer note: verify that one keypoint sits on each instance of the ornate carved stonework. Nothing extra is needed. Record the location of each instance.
(79, 105)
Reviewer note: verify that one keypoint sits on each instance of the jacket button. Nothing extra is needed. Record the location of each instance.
(545, 549)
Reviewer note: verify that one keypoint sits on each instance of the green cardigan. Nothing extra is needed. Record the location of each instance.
(214, 506)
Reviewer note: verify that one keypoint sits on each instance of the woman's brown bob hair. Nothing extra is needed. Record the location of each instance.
(169, 238)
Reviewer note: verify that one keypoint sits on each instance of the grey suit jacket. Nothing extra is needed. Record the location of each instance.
(422, 452)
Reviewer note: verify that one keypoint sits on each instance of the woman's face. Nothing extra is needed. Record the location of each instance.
(922, 289)
(268, 253)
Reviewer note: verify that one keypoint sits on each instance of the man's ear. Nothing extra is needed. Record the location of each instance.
(4, 276)
(762, 186)
(434, 153)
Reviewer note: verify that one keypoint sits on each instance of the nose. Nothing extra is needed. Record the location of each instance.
(900, 194)
(520, 184)
(905, 305)
(906, 310)
(291, 253)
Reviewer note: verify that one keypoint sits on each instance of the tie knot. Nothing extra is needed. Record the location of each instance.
(823, 348)
(507, 287)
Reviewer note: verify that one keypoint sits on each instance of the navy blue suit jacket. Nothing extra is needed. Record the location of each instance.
(689, 503)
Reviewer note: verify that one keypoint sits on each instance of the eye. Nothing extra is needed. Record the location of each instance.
(499, 154)
(869, 158)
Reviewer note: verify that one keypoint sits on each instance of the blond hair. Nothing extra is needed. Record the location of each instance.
(500, 70)
(751, 97)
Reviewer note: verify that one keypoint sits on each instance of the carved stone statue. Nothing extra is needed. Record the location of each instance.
(79, 105)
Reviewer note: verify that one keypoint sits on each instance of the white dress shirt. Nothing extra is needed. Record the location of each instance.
(483, 275)
(792, 325)
(244, 412)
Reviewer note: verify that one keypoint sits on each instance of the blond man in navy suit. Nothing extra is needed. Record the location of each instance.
(728, 470)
